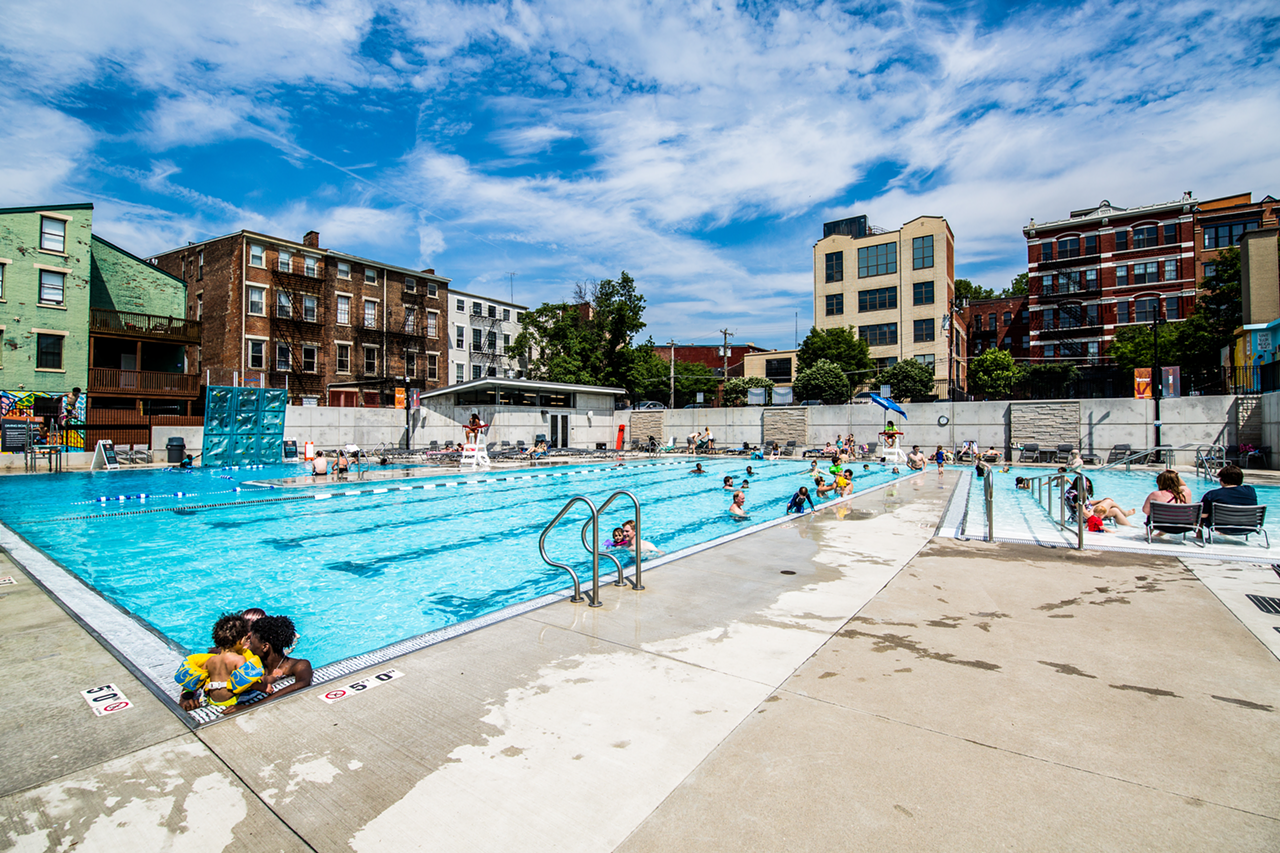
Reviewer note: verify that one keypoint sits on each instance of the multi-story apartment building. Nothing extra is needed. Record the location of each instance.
(332, 327)
(897, 288)
(1105, 267)
(1221, 222)
(79, 312)
(480, 346)
(1000, 323)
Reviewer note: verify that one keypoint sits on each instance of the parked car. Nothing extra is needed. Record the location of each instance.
(812, 403)
(650, 404)
(698, 406)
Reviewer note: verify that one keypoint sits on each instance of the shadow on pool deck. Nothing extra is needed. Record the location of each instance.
(893, 693)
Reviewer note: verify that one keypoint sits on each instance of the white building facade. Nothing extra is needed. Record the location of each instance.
(481, 330)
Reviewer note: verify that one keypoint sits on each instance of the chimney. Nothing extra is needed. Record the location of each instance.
(311, 240)
(430, 271)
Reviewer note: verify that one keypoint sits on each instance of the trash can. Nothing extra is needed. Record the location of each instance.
(177, 448)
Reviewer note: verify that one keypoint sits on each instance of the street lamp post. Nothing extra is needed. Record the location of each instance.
(1157, 379)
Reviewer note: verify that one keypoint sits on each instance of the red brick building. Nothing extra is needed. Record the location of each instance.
(1000, 323)
(329, 326)
(711, 356)
(1106, 267)
(1220, 223)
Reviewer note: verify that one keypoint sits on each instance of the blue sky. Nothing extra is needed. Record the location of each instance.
(698, 145)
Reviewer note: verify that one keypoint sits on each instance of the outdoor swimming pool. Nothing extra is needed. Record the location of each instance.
(357, 572)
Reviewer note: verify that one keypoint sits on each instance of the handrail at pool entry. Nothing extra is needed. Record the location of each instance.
(1210, 459)
(989, 496)
(593, 597)
(1042, 488)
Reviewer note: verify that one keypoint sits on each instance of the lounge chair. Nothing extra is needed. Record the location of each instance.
(433, 447)
(1064, 453)
(1236, 521)
(790, 449)
(1174, 518)
(1030, 453)
(872, 447)
(1118, 452)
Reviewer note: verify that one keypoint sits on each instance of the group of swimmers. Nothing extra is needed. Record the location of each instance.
(626, 537)
(251, 652)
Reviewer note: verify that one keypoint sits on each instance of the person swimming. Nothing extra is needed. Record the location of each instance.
(728, 482)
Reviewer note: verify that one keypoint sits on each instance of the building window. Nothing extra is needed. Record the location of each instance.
(1069, 247)
(461, 372)
(52, 287)
(1046, 251)
(433, 289)
(284, 308)
(53, 238)
(49, 350)
(411, 365)
(200, 265)
(493, 371)
(519, 317)
(1093, 351)
(1146, 310)
(370, 361)
(344, 310)
(506, 342)
(461, 307)
(1122, 240)
(1007, 318)
(493, 312)
(1048, 351)
(1171, 308)
(410, 321)
(2, 281)
(257, 355)
(835, 304)
(1145, 273)
(926, 358)
(922, 252)
(877, 260)
(1170, 233)
(1122, 311)
(284, 261)
(1026, 316)
(1026, 343)
(475, 371)
(884, 334)
(1144, 237)
(283, 359)
(922, 330)
(991, 322)
(492, 340)
(370, 314)
(835, 266)
(308, 359)
(476, 340)
(344, 270)
(1222, 236)
(878, 299)
(343, 358)
(433, 367)
(1171, 270)
(461, 337)
(922, 293)
(310, 265)
(777, 369)
(199, 306)
(1090, 279)
(370, 276)
(885, 363)
(506, 314)
(1122, 276)
(257, 256)
(309, 308)
(1091, 244)
(410, 284)
(433, 324)
(1210, 270)
(477, 310)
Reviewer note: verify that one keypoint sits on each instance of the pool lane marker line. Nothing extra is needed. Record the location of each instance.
(106, 699)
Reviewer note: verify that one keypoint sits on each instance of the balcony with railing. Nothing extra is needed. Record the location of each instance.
(143, 383)
(129, 324)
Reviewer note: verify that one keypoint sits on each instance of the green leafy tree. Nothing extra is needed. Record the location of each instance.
(735, 389)
(909, 380)
(1050, 380)
(692, 378)
(966, 289)
(993, 373)
(840, 346)
(1219, 307)
(586, 341)
(823, 381)
(1017, 287)
(649, 375)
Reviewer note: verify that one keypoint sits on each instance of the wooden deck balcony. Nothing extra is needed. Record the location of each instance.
(127, 324)
(143, 383)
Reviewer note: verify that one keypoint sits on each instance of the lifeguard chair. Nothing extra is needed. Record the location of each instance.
(892, 443)
(475, 452)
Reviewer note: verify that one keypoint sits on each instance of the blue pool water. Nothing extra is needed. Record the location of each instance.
(1127, 488)
(362, 571)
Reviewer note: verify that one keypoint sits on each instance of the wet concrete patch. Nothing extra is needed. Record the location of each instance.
(1150, 691)
(1244, 703)
(1066, 669)
(897, 642)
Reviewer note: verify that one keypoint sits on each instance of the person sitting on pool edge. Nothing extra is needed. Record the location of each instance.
(738, 509)
(271, 640)
(798, 500)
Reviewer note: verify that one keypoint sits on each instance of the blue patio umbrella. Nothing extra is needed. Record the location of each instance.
(888, 405)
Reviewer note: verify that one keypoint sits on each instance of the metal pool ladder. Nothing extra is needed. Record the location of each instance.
(593, 548)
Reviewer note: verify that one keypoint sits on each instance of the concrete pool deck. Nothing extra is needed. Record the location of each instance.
(896, 692)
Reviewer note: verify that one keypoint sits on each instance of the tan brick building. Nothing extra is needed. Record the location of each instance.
(331, 327)
(896, 288)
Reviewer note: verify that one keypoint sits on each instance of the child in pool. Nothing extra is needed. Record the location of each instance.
(619, 539)
(223, 674)
(1095, 521)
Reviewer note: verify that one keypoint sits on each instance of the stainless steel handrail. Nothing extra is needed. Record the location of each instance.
(1042, 487)
(1144, 454)
(1210, 459)
(593, 597)
(989, 497)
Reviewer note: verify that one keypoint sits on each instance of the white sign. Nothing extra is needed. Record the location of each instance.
(8, 581)
(337, 694)
(700, 397)
(886, 391)
(106, 699)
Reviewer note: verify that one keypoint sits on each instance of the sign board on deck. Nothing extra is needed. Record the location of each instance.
(13, 434)
(104, 457)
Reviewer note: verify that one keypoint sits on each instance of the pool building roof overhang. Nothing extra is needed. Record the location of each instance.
(496, 383)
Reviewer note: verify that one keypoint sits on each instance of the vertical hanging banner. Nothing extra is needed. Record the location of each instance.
(1142, 383)
(399, 398)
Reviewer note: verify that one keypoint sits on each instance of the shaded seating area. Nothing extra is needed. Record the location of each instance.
(1174, 519)
(1231, 520)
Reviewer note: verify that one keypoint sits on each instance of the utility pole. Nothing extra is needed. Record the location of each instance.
(671, 404)
(724, 353)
